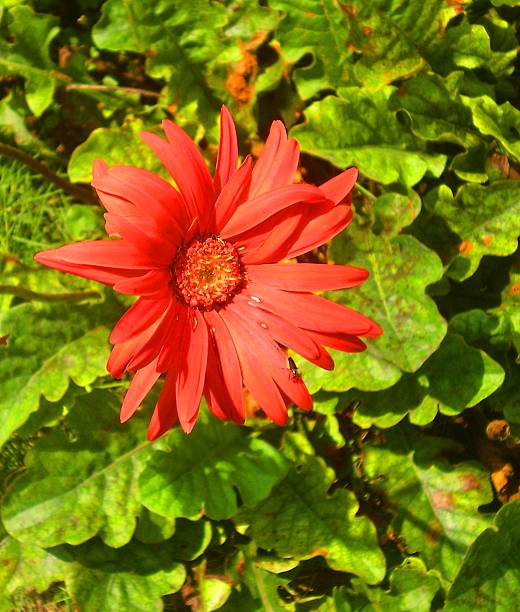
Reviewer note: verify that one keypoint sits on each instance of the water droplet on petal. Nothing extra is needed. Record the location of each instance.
(263, 325)
(256, 299)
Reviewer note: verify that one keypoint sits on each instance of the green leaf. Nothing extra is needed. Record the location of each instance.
(47, 345)
(131, 578)
(153, 528)
(25, 568)
(501, 122)
(195, 47)
(455, 377)
(434, 504)
(411, 588)
(319, 29)
(360, 130)
(395, 40)
(201, 472)
(29, 56)
(489, 577)
(393, 211)
(214, 593)
(81, 479)
(191, 539)
(482, 221)
(116, 146)
(394, 296)
(301, 520)
(436, 110)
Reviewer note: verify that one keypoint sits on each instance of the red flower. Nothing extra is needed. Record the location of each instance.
(214, 306)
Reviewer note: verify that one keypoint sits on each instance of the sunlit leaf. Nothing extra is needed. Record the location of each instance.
(201, 472)
(25, 568)
(47, 345)
(455, 377)
(435, 505)
(490, 574)
(29, 55)
(79, 483)
(359, 129)
(301, 520)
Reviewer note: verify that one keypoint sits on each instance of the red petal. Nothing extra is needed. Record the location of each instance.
(144, 236)
(137, 318)
(320, 229)
(157, 335)
(122, 353)
(277, 163)
(255, 375)
(275, 362)
(109, 274)
(280, 330)
(170, 354)
(151, 197)
(184, 162)
(310, 311)
(227, 158)
(155, 283)
(339, 187)
(192, 370)
(275, 243)
(341, 342)
(253, 212)
(141, 384)
(286, 333)
(104, 253)
(233, 193)
(224, 376)
(165, 413)
(307, 277)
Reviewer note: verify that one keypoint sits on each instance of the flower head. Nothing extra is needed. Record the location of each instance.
(215, 309)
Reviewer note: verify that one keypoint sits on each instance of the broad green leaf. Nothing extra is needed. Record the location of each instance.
(455, 377)
(12, 114)
(434, 503)
(502, 122)
(153, 528)
(28, 56)
(435, 109)
(481, 328)
(319, 29)
(81, 479)
(46, 346)
(301, 520)
(25, 568)
(191, 539)
(395, 39)
(131, 578)
(200, 473)
(393, 211)
(360, 130)
(412, 589)
(256, 589)
(116, 146)
(214, 593)
(201, 49)
(489, 578)
(482, 221)
(394, 296)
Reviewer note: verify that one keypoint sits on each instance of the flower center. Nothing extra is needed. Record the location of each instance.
(207, 272)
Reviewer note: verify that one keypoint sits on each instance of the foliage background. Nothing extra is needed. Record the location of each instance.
(399, 491)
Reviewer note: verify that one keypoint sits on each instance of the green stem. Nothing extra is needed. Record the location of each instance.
(85, 194)
(365, 191)
(28, 294)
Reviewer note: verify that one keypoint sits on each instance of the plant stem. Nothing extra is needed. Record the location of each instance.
(85, 194)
